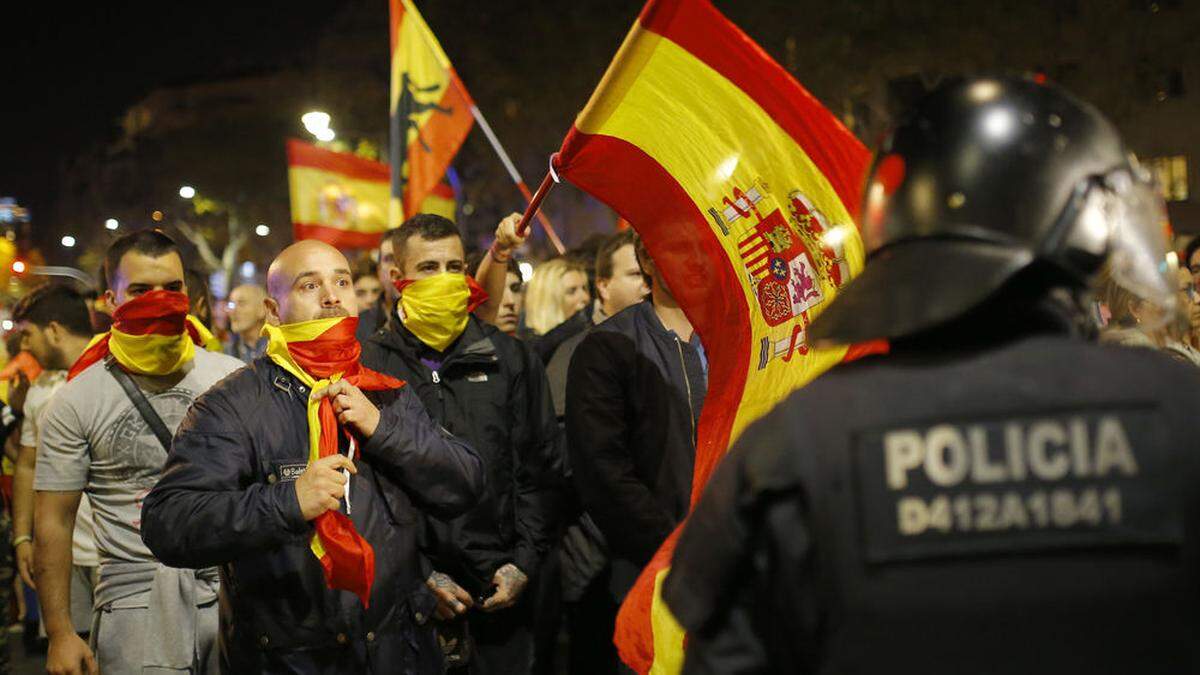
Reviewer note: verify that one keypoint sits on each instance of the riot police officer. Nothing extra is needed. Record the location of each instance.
(999, 494)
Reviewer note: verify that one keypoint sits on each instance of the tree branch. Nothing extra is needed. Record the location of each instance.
(201, 243)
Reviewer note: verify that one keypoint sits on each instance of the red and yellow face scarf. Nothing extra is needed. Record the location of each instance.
(319, 353)
(435, 308)
(153, 334)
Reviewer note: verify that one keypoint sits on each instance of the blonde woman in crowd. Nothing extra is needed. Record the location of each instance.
(558, 289)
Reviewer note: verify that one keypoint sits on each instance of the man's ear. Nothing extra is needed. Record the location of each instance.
(396, 274)
(110, 300)
(272, 308)
(602, 290)
(53, 332)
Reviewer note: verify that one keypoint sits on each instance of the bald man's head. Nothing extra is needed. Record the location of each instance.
(309, 280)
(247, 311)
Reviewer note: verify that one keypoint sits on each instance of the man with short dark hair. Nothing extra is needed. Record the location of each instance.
(489, 389)
(620, 283)
(376, 317)
(106, 433)
(367, 287)
(508, 316)
(260, 499)
(55, 327)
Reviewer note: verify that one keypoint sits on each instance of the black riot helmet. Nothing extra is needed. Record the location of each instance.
(984, 179)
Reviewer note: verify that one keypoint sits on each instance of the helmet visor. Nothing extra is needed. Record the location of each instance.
(1139, 281)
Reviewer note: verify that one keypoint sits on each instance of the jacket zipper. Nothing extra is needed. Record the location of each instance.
(687, 382)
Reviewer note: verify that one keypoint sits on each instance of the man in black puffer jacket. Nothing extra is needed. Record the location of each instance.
(489, 389)
(239, 492)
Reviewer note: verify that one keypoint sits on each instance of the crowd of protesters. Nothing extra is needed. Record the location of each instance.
(512, 454)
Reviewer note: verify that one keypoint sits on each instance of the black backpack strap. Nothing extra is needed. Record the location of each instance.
(139, 401)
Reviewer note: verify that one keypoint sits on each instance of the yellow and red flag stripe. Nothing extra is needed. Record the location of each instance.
(337, 197)
(430, 111)
(440, 201)
(743, 187)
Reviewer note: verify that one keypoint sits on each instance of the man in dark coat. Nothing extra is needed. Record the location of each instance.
(241, 491)
(634, 392)
(489, 389)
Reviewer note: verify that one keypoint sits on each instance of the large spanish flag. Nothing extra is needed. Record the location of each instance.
(743, 187)
(430, 111)
(337, 197)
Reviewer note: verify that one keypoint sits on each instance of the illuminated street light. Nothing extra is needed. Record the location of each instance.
(325, 134)
(68, 241)
(157, 216)
(314, 121)
(187, 192)
(262, 230)
(111, 224)
(18, 267)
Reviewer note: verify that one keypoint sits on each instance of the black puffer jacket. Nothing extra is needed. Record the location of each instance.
(491, 391)
(226, 498)
(634, 395)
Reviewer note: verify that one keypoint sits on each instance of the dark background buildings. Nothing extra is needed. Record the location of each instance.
(110, 108)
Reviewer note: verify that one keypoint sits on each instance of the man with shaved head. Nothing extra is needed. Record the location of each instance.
(315, 534)
(247, 314)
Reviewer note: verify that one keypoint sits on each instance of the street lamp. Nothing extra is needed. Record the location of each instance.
(262, 230)
(68, 241)
(317, 124)
(187, 192)
(314, 121)
(111, 224)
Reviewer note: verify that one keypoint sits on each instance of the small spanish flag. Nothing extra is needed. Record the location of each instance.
(430, 112)
(744, 189)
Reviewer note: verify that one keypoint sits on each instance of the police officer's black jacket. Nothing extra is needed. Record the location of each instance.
(491, 391)
(634, 395)
(1030, 507)
(227, 498)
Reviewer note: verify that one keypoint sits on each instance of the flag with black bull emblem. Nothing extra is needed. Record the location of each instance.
(430, 112)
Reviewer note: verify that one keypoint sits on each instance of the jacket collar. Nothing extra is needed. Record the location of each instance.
(473, 344)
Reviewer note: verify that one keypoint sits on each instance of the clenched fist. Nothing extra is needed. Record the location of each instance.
(507, 239)
(321, 487)
(352, 407)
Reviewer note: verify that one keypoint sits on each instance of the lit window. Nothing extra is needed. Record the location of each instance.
(1171, 174)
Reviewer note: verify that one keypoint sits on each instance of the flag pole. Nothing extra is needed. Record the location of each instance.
(534, 200)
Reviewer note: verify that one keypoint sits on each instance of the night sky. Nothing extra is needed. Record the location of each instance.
(72, 69)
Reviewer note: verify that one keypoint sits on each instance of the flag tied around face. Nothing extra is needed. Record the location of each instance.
(151, 334)
(342, 199)
(744, 189)
(430, 112)
(319, 353)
